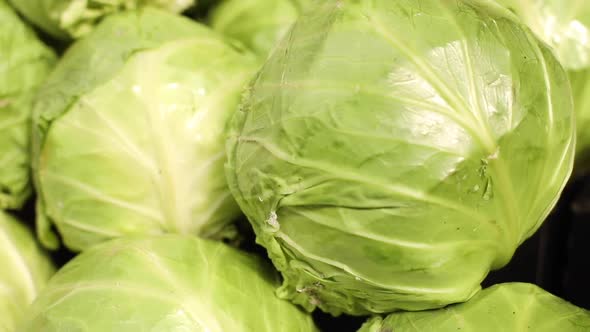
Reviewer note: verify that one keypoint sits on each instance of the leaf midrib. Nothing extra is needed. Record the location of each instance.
(486, 138)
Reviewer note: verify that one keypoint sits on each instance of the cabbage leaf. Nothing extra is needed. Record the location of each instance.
(502, 307)
(165, 283)
(129, 131)
(25, 271)
(72, 19)
(24, 63)
(390, 153)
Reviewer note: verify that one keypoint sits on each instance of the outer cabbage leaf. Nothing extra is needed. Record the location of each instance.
(25, 270)
(129, 131)
(24, 64)
(503, 307)
(580, 81)
(390, 153)
(71, 19)
(165, 283)
(565, 26)
(258, 24)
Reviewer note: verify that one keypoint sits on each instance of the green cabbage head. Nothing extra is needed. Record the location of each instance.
(503, 307)
(72, 19)
(24, 64)
(25, 270)
(565, 26)
(161, 284)
(129, 131)
(390, 153)
(258, 24)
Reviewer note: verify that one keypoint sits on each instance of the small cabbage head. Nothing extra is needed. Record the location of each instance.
(503, 307)
(165, 283)
(128, 133)
(25, 271)
(565, 27)
(24, 63)
(72, 19)
(390, 153)
(257, 24)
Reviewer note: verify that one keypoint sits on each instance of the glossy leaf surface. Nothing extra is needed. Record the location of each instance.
(389, 154)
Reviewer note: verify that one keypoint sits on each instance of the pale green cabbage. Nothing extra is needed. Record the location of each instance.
(390, 153)
(163, 284)
(565, 27)
(24, 64)
(514, 307)
(72, 19)
(129, 131)
(258, 24)
(24, 271)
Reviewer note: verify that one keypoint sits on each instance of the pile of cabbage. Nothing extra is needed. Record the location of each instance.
(384, 155)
